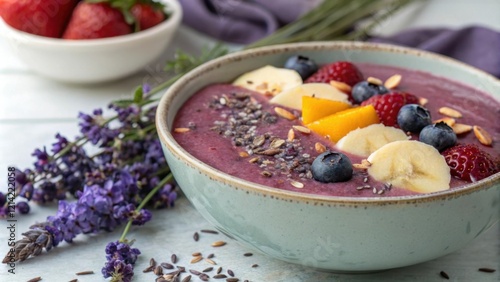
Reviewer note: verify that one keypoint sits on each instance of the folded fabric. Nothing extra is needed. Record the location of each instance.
(474, 45)
(239, 21)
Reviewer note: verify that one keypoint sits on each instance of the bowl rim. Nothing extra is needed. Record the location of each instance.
(171, 6)
(169, 141)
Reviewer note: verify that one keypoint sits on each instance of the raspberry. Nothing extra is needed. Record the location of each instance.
(340, 71)
(468, 162)
(387, 106)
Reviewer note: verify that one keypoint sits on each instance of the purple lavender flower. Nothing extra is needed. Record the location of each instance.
(118, 270)
(94, 127)
(22, 207)
(61, 143)
(27, 191)
(146, 88)
(141, 217)
(43, 162)
(122, 251)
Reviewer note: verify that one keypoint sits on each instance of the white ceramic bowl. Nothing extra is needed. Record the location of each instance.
(96, 60)
(332, 233)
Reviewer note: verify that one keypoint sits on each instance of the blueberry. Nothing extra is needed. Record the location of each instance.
(23, 207)
(439, 135)
(413, 118)
(303, 65)
(331, 167)
(363, 90)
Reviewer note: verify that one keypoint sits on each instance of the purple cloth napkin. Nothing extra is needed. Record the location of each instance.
(474, 45)
(240, 21)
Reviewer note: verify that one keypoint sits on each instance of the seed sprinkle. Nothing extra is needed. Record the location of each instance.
(444, 275)
(487, 270)
(36, 279)
(87, 272)
(209, 231)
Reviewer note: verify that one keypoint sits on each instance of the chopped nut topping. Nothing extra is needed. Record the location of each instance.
(482, 135)
(365, 164)
(374, 80)
(284, 113)
(302, 129)
(243, 154)
(297, 184)
(449, 121)
(423, 101)
(291, 135)
(393, 81)
(460, 128)
(344, 87)
(450, 112)
(320, 148)
(181, 129)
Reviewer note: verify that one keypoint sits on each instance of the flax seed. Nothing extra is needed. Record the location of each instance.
(447, 111)
(302, 129)
(284, 113)
(460, 128)
(482, 135)
(181, 129)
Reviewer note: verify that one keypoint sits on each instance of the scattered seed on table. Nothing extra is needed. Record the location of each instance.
(74, 280)
(158, 270)
(181, 268)
(196, 236)
(85, 272)
(486, 269)
(219, 270)
(218, 244)
(187, 278)
(232, 279)
(210, 256)
(196, 259)
(209, 231)
(196, 254)
(444, 275)
(230, 272)
(248, 254)
(219, 276)
(195, 272)
(204, 277)
(208, 269)
(255, 265)
(211, 261)
(173, 258)
(36, 279)
(167, 265)
(148, 269)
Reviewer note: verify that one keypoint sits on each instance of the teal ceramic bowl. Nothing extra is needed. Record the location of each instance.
(331, 233)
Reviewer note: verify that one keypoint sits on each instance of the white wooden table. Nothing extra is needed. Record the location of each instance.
(33, 109)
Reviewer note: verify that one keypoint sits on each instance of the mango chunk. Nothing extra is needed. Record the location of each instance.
(337, 125)
(314, 108)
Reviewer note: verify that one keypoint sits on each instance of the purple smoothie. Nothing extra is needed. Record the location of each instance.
(227, 123)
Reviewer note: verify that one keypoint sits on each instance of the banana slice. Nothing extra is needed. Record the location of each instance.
(269, 80)
(292, 98)
(411, 165)
(366, 140)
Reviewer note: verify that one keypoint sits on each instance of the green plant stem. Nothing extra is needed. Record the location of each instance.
(144, 202)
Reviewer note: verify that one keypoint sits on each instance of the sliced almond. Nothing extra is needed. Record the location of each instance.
(393, 81)
(449, 121)
(365, 164)
(284, 113)
(243, 154)
(302, 129)
(297, 184)
(320, 148)
(460, 128)
(482, 135)
(374, 80)
(423, 101)
(447, 111)
(181, 129)
(291, 135)
(344, 87)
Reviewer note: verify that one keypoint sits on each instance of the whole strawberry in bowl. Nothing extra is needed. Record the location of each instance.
(89, 41)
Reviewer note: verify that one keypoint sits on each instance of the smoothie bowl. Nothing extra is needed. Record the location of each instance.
(339, 184)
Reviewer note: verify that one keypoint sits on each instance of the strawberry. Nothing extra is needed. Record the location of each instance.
(147, 15)
(387, 106)
(340, 71)
(40, 17)
(468, 162)
(96, 20)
